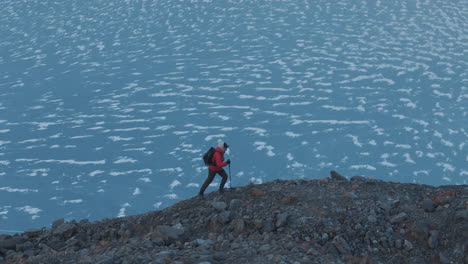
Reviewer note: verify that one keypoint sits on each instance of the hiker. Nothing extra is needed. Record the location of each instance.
(217, 164)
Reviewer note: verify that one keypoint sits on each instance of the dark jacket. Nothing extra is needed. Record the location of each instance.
(218, 159)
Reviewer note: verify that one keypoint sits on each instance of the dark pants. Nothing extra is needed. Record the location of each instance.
(211, 175)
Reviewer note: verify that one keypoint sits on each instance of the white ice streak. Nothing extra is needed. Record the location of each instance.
(79, 137)
(408, 102)
(122, 210)
(336, 108)
(211, 137)
(355, 140)
(131, 129)
(446, 166)
(96, 172)
(177, 169)
(171, 196)
(73, 162)
(357, 167)
(408, 158)
(118, 173)
(174, 184)
(76, 201)
(259, 131)
(137, 191)
(263, 145)
(30, 210)
(125, 160)
(292, 134)
(9, 189)
(331, 122)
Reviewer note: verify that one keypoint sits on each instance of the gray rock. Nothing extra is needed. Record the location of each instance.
(336, 176)
(57, 223)
(281, 219)
(462, 215)
(372, 218)
(169, 232)
(147, 243)
(225, 217)
(324, 237)
(429, 205)
(106, 260)
(265, 248)
(204, 242)
(398, 218)
(25, 246)
(164, 254)
(398, 243)
(239, 225)
(352, 195)
(408, 245)
(8, 244)
(268, 225)
(33, 233)
(433, 239)
(66, 230)
(225, 245)
(219, 206)
(358, 178)
(341, 245)
(56, 244)
(443, 259)
(235, 204)
(220, 256)
(395, 203)
(258, 224)
(313, 251)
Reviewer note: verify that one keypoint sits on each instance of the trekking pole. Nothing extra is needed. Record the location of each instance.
(230, 181)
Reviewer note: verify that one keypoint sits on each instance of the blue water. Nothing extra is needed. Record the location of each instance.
(106, 107)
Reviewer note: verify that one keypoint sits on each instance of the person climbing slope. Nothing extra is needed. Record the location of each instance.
(216, 164)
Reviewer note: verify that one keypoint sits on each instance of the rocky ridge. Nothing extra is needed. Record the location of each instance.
(329, 220)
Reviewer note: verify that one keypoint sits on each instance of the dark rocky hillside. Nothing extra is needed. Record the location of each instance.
(330, 220)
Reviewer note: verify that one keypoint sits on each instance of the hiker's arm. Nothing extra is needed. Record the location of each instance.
(219, 161)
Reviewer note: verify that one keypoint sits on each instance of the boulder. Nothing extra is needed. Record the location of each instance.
(462, 215)
(57, 223)
(219, 206)
(282, 219)
(408, 245)
(341, 245)
(9, 243)
(429, 205)
(66, 230)
(398, 218)
(336, 176)
(33, 233)
(169, 233)
(433, 239)
(235, 204)
(268, 225)
(239, 225)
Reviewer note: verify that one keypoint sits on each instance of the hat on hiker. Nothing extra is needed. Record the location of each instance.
(223, 145)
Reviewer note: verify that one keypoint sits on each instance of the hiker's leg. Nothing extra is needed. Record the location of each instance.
(223, 174)
(208, 180)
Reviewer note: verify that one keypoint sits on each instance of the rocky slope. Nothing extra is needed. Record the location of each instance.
(330, 220)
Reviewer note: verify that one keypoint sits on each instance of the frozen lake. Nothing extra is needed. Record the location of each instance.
(106, 107)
